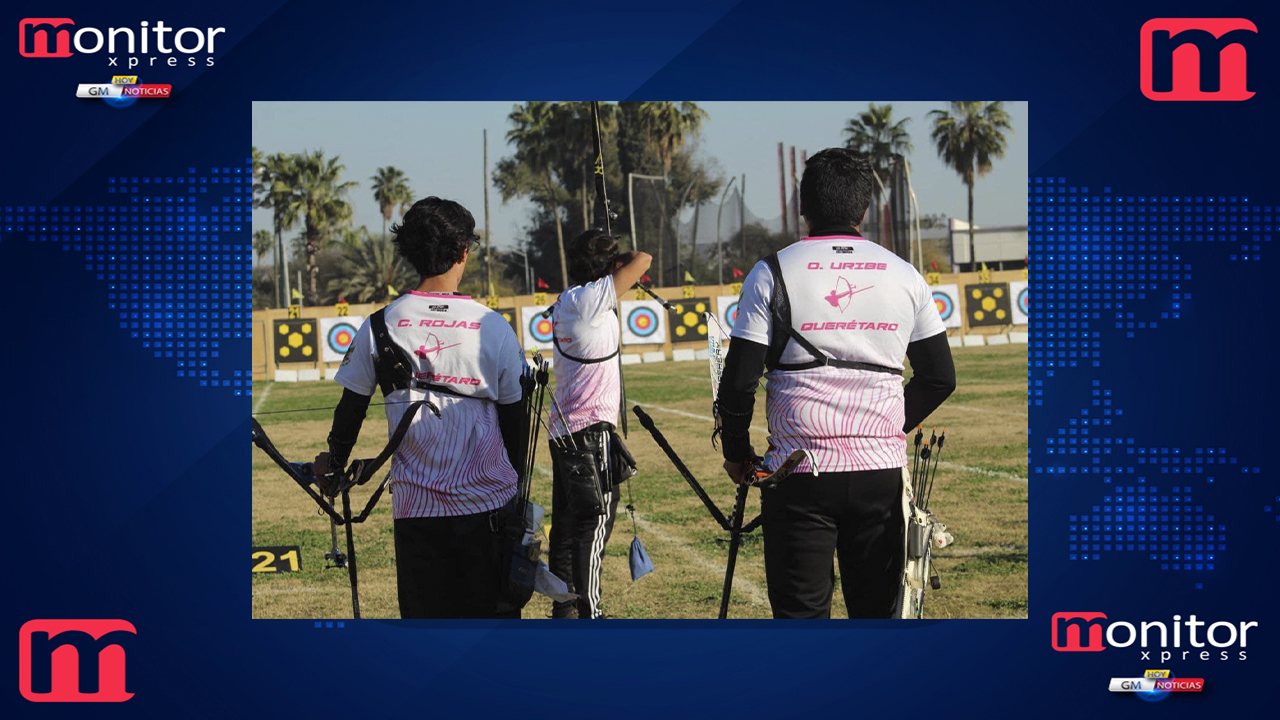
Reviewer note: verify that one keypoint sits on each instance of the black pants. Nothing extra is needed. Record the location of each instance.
(448, 567)
(807, 518)
(576, 552)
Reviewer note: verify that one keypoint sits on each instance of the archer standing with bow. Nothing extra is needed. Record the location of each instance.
(587, 397)
(449, 476)
(831, 318)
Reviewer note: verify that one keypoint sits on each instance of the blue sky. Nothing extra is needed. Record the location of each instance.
(438, 145)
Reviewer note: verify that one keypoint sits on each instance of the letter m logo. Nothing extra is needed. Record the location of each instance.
(74, 660)
(1077, 632)
(41, 37)
(1197, 59)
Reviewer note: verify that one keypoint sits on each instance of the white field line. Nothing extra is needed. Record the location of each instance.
(704, 378)
(967, 552)
(680, 376)
(754, 428)
(257, 403)
(969, 408)
(984, 471)
(269, 591)
(741, 586)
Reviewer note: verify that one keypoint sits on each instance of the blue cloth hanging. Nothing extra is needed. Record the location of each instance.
(641, 565)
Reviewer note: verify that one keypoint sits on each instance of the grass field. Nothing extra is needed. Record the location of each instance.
(981, 495)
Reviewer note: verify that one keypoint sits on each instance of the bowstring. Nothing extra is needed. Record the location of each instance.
(329, 407)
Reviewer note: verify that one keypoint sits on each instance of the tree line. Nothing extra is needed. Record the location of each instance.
(551, 163)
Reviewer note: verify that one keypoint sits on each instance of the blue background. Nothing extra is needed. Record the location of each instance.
(127, 469)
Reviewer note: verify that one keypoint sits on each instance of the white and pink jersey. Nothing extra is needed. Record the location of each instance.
(455, 464)
(855, 301)
(586, 326)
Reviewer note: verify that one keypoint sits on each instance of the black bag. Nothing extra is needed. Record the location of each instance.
(623, 462)
(519, 561)
(580, 473)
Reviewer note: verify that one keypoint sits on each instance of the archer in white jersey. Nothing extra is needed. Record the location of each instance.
(585, 324)
(588, 394)
(451, 473)
(456, 464)
(831, 318)
(856, 301)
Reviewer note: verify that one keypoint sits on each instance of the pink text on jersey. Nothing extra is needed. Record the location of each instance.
(463, 324)
(851, 325)
(848, 266)
(447, 379)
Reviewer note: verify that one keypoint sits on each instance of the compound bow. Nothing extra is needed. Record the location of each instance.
(330, 486)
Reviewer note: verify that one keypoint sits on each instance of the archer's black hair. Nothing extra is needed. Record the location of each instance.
(434, 235)
(591, 256)
(836, 188)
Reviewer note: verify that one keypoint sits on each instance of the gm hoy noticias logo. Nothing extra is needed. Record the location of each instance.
(74, 660)
(1197, 59)
(1189, 639)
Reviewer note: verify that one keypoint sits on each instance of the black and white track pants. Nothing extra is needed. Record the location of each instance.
(576, 551)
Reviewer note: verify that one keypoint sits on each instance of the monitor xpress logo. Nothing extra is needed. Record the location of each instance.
(1197, 59)
(74, 660)
(1084, 632)
(127, 47)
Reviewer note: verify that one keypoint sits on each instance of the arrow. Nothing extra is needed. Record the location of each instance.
(834, 298)
(424, 352)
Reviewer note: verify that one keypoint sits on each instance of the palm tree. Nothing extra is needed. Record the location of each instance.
(968, 136)
(884, 143)
(391, 189)
(263, 243)
(277, 193)
(260, 182)
(370, 266)
(667, 127)
(535, 135)
(319, 196)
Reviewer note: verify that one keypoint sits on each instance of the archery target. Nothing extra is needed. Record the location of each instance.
(537, 329)
(947, 298)
(338, 334)
(689, 323)
(727, 307)
(509, 314)
(644, 322)
(1021, 302)
(295, 340)
(988, 304)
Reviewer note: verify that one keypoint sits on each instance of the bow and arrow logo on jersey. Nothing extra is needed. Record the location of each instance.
(430, 346)
(843, 294)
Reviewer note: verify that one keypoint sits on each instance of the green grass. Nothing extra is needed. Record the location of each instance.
(984, 574)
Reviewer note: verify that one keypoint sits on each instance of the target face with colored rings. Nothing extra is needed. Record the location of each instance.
(642, 322)
(1024, 301)
(946, 305)
(731, 314)
(540, 328)
(340, 337)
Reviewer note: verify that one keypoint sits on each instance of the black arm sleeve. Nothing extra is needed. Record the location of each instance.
(743, 366)
(933, 378)
(348, 417)
(511, 423)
